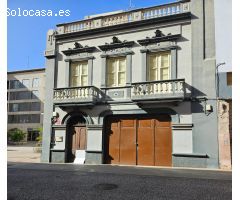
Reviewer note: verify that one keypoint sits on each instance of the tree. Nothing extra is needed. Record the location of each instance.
(16, 135)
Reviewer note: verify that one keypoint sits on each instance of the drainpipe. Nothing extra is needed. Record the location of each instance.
(217, 97)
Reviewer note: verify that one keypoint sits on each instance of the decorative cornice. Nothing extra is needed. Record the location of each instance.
(116, 45)
(152, 50)
(80, 58)
(79, 50)
(147, 41)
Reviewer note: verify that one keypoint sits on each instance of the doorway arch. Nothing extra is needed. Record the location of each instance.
(76, 136)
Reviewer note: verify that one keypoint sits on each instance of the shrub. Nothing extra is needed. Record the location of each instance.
(16, 135)
(39, 138)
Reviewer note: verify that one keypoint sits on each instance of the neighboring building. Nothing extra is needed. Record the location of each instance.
(225, 119)
(134, 87)
(25, 97)
(223, 41)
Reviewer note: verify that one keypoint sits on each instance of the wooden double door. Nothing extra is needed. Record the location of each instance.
(139, 141)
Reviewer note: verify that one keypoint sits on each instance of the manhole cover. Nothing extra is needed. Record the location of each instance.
(105, 186)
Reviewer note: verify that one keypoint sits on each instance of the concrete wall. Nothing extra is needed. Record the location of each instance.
(205, 140)
(183, 54)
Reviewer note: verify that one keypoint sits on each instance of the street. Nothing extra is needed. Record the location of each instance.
(75, 182)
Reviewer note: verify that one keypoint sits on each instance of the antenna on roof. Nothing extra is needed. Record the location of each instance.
(28, 61)
(131, 6)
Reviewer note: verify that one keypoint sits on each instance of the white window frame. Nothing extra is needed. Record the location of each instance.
(158, 56)
(116, 71)
(33, 82)
(80, 75)
(24, 81)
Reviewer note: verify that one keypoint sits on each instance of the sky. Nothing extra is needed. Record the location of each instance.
(26, 37)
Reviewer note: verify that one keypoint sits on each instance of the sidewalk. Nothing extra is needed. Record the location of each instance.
(23, 153)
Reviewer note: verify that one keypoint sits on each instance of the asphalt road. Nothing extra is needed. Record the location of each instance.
(90, 182)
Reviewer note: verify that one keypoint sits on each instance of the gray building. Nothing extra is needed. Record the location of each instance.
(25, 97)
(134, 87)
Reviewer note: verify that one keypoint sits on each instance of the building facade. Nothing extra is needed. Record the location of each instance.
(135, 88)
(25, 97)
(225, 119)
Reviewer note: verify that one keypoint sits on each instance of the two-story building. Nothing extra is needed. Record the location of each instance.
(134, 88)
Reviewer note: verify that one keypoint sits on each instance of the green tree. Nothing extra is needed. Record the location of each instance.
(16, 135)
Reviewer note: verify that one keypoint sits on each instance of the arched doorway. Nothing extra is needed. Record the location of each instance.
(76, 136)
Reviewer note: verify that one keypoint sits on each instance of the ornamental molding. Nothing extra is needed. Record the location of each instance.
(159, 37)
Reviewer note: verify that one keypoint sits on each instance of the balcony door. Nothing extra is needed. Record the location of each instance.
(79, 74)
(116, 71)
(159, 66)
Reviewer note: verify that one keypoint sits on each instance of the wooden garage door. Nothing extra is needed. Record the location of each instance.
(121, 142)
(141, 141)
(145, 142)
(163, 142)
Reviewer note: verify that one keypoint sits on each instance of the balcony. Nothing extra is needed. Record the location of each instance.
(112, 19)
(158, 90)
(154, 91)
(87, 95)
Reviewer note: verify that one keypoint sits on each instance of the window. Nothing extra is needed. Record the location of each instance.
(116, 71)
(24, 107)
(26, 83)
(23, 95)
(13, 107)
(35, 82)
(24, 118)
(12, 96)
(18, 107)
(159, 66)
(20, 95)
(79, 74)
(14, 119)
(35, 106)
(35, 118)
(35, 94)
(8, 83)
(15, 84)
(229, 78)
